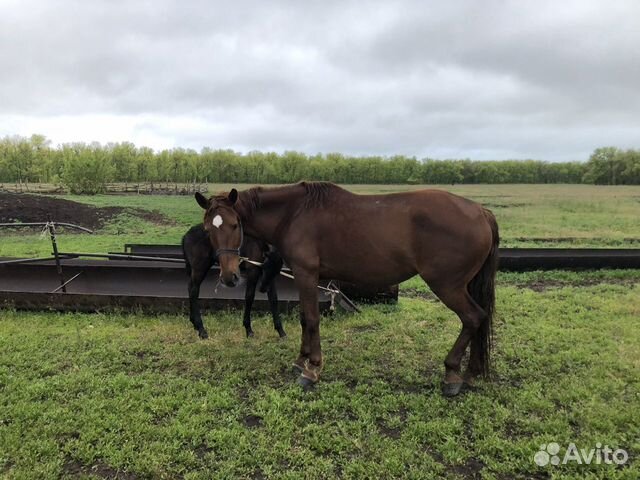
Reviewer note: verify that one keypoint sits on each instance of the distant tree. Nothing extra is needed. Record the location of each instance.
(86, 168)
(33, 159)
(630, 166)
(602, 167)
(441, 171)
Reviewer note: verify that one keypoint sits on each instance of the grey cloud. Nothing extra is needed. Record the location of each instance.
(471, 79)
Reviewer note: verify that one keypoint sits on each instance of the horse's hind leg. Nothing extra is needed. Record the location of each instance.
(459, 300)
(272, 294)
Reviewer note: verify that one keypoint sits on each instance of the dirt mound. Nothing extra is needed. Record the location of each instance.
(17, 207)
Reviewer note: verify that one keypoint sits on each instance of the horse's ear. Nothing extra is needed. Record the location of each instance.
(233, 196)
(202, 201)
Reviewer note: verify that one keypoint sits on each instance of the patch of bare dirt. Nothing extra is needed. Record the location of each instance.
(202, 451)
(415, 293)
(505, 205)
(24, 208)
(543, 285)
(470, 469)
(98, 469)
(629, 240)
(364, 328)
(392, 432)
(389, 432)
(252, 421)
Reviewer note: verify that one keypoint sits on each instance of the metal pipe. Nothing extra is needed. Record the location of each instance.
(43, 224)
(66, 283)
(122, 256)
(31, 260)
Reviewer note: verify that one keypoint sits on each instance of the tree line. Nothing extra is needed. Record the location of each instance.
(87, 168)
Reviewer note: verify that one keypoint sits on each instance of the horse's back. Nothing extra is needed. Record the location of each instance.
(399, 215)
(393, 236)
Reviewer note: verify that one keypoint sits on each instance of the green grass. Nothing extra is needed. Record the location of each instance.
(564, 215)
(137, 396)
(143, 395)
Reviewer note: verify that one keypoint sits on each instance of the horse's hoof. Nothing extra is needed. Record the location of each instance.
(468, 387)
(451, 389)
(249, 334)
(306, 383)
(282, 334)
(296, 369)
(203, 334)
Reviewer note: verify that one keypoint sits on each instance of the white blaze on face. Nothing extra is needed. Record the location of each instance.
(217, 221)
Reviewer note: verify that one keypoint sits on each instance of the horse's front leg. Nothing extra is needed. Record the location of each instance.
(310, 359)
(298, 365)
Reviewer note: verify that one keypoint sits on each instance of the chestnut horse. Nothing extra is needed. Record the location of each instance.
(324, 231)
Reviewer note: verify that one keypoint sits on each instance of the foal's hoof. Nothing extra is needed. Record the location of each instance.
(249, 334)
(203, 334)
(451, 389)
(306, 383)
(282, 334)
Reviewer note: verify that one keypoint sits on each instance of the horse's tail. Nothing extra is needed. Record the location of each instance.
(185, 256)
(482, 290)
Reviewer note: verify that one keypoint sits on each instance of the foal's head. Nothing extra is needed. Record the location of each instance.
(224, 229)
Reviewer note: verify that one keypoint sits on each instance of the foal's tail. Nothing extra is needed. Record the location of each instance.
(270, 270)
(482, 290)
(185, 256)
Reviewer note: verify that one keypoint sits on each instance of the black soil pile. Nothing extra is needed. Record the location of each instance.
(24, 208)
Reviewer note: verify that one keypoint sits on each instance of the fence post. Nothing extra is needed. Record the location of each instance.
(54, 244)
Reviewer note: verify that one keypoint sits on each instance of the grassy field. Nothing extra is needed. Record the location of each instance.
(529, 215)
(134, 396)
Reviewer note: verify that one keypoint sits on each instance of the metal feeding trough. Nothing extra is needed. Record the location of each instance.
(150, 277)
(65, 282)
(154, 286)
(159, 283)
(524, 259)
(354, 292)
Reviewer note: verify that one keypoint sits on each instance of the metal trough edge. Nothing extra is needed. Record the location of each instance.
(126, 285)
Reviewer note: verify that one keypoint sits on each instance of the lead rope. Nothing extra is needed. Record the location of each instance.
(215, 288)
(328, 288)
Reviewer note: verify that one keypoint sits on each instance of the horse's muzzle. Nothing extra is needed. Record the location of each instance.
(232, 281)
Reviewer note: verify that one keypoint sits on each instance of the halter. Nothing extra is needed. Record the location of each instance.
(233, 251)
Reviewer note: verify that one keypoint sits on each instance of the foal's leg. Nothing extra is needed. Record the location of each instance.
(459, 300)
(198, 274)
(253, 274)
(272, 294)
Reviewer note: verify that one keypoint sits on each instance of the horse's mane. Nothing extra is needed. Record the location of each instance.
(220, 196)
(316, 195)
(250, 200)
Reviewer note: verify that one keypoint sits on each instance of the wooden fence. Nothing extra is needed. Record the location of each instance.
(145, 188)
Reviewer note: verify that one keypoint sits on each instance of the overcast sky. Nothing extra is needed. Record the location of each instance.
(549, 80)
